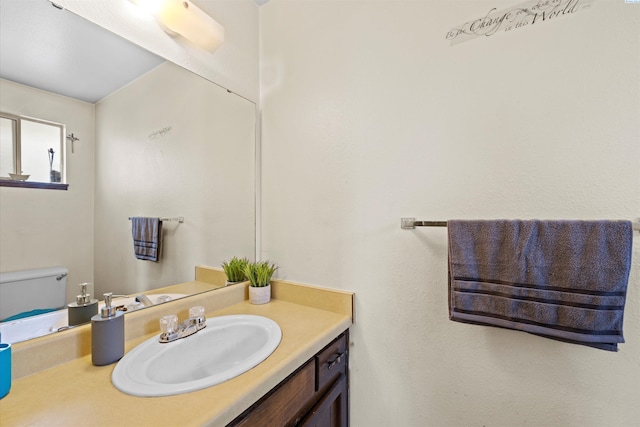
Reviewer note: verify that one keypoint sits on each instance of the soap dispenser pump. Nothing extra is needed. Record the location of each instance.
(83, 309)
(107, 334)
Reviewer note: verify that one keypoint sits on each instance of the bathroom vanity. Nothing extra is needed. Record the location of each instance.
(316, 394)
(304, 380)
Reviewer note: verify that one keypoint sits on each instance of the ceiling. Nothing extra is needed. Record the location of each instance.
(55, 50)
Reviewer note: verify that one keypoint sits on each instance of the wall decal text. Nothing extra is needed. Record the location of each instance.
(526, 14)
(157, 134)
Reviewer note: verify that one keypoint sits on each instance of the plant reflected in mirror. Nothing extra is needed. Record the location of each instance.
(235, 269)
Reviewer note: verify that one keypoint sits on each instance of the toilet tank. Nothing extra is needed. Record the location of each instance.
(42, 289)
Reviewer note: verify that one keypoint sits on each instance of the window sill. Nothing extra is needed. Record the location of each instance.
(26, 184)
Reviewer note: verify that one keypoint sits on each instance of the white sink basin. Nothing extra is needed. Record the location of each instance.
(226, 348)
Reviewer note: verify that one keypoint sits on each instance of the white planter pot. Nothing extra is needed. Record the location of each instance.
(260, 295)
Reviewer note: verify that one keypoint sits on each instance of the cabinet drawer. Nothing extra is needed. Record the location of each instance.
(331, 362)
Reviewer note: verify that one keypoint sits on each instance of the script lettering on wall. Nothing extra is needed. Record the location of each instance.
(160, 133)
(526, 14)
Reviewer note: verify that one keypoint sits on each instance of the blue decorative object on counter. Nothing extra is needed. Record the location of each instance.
(5, 369)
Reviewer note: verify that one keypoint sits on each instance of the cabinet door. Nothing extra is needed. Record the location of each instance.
(282, 405)
(331, 410)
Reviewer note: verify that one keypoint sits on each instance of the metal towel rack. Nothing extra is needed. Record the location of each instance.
(411, 223)
(180, 219)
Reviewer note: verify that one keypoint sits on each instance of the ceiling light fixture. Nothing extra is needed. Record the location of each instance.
(186, 19)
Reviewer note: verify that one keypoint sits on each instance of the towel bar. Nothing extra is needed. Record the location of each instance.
(180, 219)
(411, 223)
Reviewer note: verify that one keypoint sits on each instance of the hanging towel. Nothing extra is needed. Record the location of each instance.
(565, 280)
(147, 237)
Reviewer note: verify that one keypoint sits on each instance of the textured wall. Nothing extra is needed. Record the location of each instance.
(369, 115)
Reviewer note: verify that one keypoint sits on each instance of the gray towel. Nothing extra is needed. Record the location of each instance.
(564, 280)
(147, 237)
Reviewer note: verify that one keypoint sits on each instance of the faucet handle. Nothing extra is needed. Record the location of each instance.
(196, 317)
(169, 324)
(196, 311)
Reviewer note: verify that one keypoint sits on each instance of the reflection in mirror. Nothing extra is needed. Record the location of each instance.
(167, 144)
(8, 142)
(31, 146)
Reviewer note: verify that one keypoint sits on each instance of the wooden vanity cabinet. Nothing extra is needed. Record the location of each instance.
(332, 408)
(315, 395)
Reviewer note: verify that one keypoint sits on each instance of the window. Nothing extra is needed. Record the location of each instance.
(31, 152)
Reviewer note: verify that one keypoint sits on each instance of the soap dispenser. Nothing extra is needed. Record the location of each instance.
(83, 309)
(107, 334)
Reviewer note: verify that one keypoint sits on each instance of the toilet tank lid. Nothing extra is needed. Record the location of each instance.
(15, 276)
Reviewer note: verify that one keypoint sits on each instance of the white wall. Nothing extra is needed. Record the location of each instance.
(369, 115)
(172, 144)
(47, 228)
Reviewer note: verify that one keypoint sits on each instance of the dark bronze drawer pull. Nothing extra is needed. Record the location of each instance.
(337, 358)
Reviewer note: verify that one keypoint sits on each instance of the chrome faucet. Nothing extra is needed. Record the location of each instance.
(170, 330)
(144, 300)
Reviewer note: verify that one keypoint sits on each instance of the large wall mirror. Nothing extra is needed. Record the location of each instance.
(157, 142)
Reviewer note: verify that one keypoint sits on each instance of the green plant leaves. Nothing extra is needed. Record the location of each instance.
(235, 269)
(259, 273)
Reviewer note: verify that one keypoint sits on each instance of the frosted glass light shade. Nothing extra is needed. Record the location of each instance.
(186, 19)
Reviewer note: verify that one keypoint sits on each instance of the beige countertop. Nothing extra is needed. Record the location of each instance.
(77, 393)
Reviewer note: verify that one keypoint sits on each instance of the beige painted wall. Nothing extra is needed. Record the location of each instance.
(369, 115)
(172, 144)
(47, 228)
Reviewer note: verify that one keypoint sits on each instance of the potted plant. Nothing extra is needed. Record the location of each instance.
(234, 269)
(259, 276)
